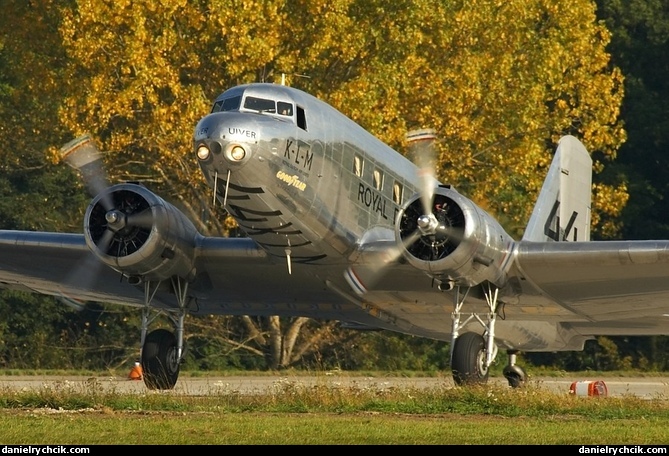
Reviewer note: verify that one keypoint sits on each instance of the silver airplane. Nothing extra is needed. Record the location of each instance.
(342, 227)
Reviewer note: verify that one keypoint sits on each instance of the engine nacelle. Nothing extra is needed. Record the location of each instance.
(138, 234)
(457, 244)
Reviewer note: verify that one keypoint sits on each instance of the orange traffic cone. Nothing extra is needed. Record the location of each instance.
(135, 372)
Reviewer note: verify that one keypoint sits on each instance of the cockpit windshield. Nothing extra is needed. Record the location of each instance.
(227, 104)
(267, 105)
(261, 105)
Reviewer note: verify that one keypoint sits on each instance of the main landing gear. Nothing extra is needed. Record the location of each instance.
(162, 350)
(471, 353)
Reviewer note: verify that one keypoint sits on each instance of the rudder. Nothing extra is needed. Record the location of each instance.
(562, 210)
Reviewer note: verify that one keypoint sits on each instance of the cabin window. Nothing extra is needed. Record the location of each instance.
(228, 104)
(301, 118)
(357, 165)
(260, 104)
(377, 179)
(285, 109)
(398, 190)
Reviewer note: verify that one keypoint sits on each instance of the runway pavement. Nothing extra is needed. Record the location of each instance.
(644, 387)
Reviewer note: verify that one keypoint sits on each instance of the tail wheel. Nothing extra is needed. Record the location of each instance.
(515, 375)
(469, 360)
(160, 360)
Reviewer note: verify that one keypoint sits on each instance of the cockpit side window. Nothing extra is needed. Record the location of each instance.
(285, 109)
(227, 104)
(260, 104)
(301, 118)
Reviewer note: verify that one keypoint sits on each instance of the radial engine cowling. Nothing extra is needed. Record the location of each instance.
(137, 233)
(457, 244)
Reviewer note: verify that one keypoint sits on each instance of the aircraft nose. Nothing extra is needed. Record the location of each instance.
(224, 140)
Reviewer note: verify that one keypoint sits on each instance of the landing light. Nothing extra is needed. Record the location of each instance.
(203, 152)
(236, 153)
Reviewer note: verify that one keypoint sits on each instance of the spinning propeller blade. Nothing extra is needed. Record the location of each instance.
(421, 149)
(83, 155)
(374, 265)
(115, 216)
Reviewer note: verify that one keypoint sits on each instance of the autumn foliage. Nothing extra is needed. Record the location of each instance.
(499, 81)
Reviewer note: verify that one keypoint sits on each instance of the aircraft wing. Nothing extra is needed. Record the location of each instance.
(599, 281)
(235, 277)
(50, 263)
(559, 294)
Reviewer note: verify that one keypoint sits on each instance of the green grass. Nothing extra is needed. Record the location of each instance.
(260, 428)
(293, 413)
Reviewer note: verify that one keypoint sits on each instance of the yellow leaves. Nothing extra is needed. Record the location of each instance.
(609, 201)
(499, 81)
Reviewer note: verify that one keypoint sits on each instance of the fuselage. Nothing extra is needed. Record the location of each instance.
(313, 189)
(322, 167)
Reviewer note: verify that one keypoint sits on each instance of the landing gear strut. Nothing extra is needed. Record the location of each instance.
(472, 353)
(162, 350)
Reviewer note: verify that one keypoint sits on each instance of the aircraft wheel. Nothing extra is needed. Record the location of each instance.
(468, 363)
(160, 360)
(515, 375)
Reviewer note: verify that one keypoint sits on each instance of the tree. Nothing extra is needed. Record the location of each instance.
(34, 194)
(640, 31)
(30, 77)
(499, 82)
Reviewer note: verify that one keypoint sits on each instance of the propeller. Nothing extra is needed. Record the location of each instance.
(117, 219)
(124, 229)
(430, 228)
(425, 229)
(439, 232)
(119, 222)
(438, 218)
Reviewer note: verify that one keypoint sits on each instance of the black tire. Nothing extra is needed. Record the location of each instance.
(468, 363)
(160, 363)
(515, 375)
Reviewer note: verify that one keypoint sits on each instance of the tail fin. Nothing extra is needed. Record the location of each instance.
(562, 211)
